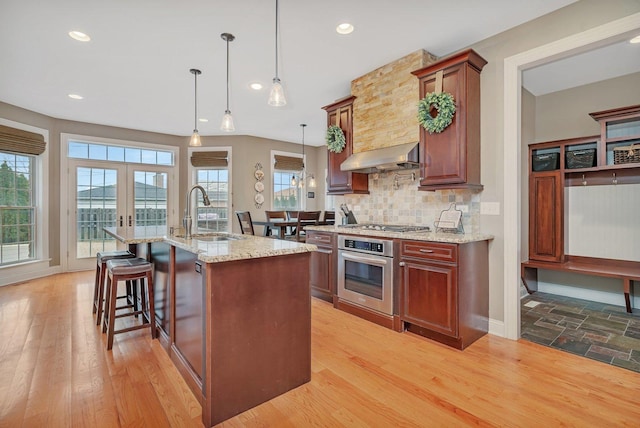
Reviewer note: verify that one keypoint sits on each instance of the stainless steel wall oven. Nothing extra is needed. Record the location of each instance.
(365, 272)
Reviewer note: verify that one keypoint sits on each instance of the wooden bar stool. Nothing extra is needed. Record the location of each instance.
(101, 267)
(136, 270)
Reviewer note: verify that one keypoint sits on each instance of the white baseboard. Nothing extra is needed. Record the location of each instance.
(28, 271)
(496, 327)
(607, 297)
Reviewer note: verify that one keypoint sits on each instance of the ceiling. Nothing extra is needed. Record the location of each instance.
(606, 62)
(134, 73)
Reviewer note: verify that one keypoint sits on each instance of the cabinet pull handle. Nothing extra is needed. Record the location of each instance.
(402, 264)
(422, 250)
(121, 221)
(130, 221)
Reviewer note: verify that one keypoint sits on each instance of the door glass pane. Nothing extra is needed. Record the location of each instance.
(95, 208)
(150, 198)
(363, 278)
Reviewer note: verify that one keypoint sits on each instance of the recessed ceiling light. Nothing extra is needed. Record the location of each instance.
(344, 28)
(79, 36)
(203, 119)
(256, 86)
(76, 96)
(636, 39)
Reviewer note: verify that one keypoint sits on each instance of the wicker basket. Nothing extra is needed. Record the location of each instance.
(626, 154)
(545, 162)
(580, 158)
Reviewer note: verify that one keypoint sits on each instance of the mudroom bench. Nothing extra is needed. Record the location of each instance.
(627, 271)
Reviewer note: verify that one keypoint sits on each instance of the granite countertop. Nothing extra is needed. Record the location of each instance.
(213, 247)
(416, 236)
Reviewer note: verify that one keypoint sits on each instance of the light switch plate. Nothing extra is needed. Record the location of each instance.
(490, 208)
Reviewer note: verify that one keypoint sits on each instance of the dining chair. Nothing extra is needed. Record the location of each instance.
(306, 218)
(329, 217)
(292, 215)
(271, 215)
(246, 224)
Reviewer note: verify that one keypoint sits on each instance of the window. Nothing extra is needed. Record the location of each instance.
(81, 150)
(17, 208)
(285, 195)
(211, 169)
(287, 170)
(216, 183)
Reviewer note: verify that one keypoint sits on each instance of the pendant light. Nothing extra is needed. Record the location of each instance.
(195, 138)
(293, 177)
(276, 96)
(227, 119)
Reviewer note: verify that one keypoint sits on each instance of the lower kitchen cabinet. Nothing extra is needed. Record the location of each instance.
(190, 310)
(444, 290)
(322, 270)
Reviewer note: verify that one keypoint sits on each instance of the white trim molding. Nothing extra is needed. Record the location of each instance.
(24, 271)
(611, 32)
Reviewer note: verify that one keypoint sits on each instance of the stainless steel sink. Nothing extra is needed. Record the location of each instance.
(212, 237)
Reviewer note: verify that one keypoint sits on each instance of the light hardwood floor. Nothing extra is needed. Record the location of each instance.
(55, 372)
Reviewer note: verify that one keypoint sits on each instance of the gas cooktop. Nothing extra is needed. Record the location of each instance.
(388, 227)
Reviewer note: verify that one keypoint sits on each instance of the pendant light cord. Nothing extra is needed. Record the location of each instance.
(277, 39)
(195, 116)
(227, 111)
(303, 166)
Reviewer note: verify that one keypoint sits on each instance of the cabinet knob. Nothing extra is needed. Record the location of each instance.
(402, 264)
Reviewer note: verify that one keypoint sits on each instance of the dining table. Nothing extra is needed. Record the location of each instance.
(282, 225)
(276, 223)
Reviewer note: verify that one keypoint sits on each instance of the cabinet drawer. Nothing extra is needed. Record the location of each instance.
(430, 250)
(316, 238)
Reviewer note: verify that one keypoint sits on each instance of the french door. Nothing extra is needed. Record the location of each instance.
(111, 194)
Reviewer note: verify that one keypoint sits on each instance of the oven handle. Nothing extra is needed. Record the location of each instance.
(380, 261)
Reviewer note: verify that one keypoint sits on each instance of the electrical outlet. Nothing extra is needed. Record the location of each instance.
(490, 208)
(463, 208)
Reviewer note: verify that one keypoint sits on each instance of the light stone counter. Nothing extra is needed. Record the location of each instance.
(213, 247)
(416, 236)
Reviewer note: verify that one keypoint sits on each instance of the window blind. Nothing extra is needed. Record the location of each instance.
(19, 141)
(288, 163)
(204, 159)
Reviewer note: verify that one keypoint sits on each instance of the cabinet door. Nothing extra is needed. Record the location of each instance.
(319, 279)
(546, 200)
(322, 267)
(451, 159)
(430, 296)
(340, 181)
(190, 309)
(343, 182)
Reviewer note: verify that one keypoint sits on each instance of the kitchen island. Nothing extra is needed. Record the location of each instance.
(231, 315)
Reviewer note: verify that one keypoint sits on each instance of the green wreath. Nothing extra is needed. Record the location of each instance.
(335, 139)
(444, 104)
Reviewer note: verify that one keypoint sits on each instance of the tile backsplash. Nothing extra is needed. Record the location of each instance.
(405, 204)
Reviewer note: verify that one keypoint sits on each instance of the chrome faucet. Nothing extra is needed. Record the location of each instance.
(187, 221)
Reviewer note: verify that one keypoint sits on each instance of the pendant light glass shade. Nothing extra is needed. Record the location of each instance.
(195, 138)
(227, 120)
(276, 96)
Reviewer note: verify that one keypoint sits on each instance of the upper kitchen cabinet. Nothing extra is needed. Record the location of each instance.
(451, 159)
(341, 182)
(620, 137)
